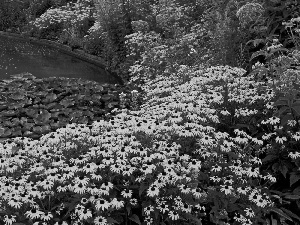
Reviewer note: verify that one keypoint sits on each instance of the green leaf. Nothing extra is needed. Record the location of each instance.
(290, 213)
(256, 54)
(281, 213)
(297, 110)
(292, 197)
(143, 187)
(111, 220)
(269, 158)
(281, 111)
(275, 167)
(2, 130)
(274, 222)
(50, 98)
(282, 101)
(66, 102)
(296, 191)
(128, 208)
(294, 178)
(135, 219)
(283, 169)
(285, 119)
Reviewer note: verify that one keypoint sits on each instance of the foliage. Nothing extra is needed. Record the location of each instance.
(44, 105)
(217, 179)
(67, 23)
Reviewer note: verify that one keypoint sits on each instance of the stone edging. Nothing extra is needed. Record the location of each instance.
(63, 48)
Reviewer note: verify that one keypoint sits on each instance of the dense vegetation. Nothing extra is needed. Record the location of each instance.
(215, 139)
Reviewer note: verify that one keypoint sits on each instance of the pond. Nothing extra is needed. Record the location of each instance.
(18, 56)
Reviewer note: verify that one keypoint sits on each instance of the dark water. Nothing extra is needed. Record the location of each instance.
(18, 56)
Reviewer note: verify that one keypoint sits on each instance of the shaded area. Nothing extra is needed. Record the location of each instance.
(17, 56)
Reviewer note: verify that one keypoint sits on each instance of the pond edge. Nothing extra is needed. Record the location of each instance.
(80, 54)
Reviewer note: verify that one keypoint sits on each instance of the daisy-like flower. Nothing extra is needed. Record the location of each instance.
(197, 192)
(280, 139)
(79, 208)
(9, 219)
(186, 208)
(215, 179)
(33, 214)
(47, 216)
(102, 204)
(148, 220)
(148, 210)
(85, 214)
(89, 168)
(243, 190)
(249, 212)
(184, 189)
(240, 218)
(114, 203)
(126, 193)
(39, 223)
(107, 185)
(296, 136)
(116, 168)
(61, 223)
(46, 184)
(194, 165)
(216, 168)
(133, 201)
(79, 188)
(81, 180)
(15, 203)
(227, 189)
(252, 172)
(163, 208)
(152, 191)
(294, 155)
(173, 215)
(273, 120)
(205, 140)
(11, 168)
(100, 220)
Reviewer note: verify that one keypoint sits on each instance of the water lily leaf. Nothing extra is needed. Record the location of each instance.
(3, 107)
(66, 102)
(9, 113)
(106, 97)
(76, 114)
(6, 133)
(2, 130)
(19, 95)
(30, 112)
(50, 98)
(27, 126)
(43, 116)
(37, 129)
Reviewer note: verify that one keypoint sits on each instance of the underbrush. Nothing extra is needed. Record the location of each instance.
(193, 153)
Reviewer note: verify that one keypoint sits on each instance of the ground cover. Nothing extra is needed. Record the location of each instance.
(169, 162)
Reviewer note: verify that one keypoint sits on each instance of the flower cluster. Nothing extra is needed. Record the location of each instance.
(143, 159)
(72, 14)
